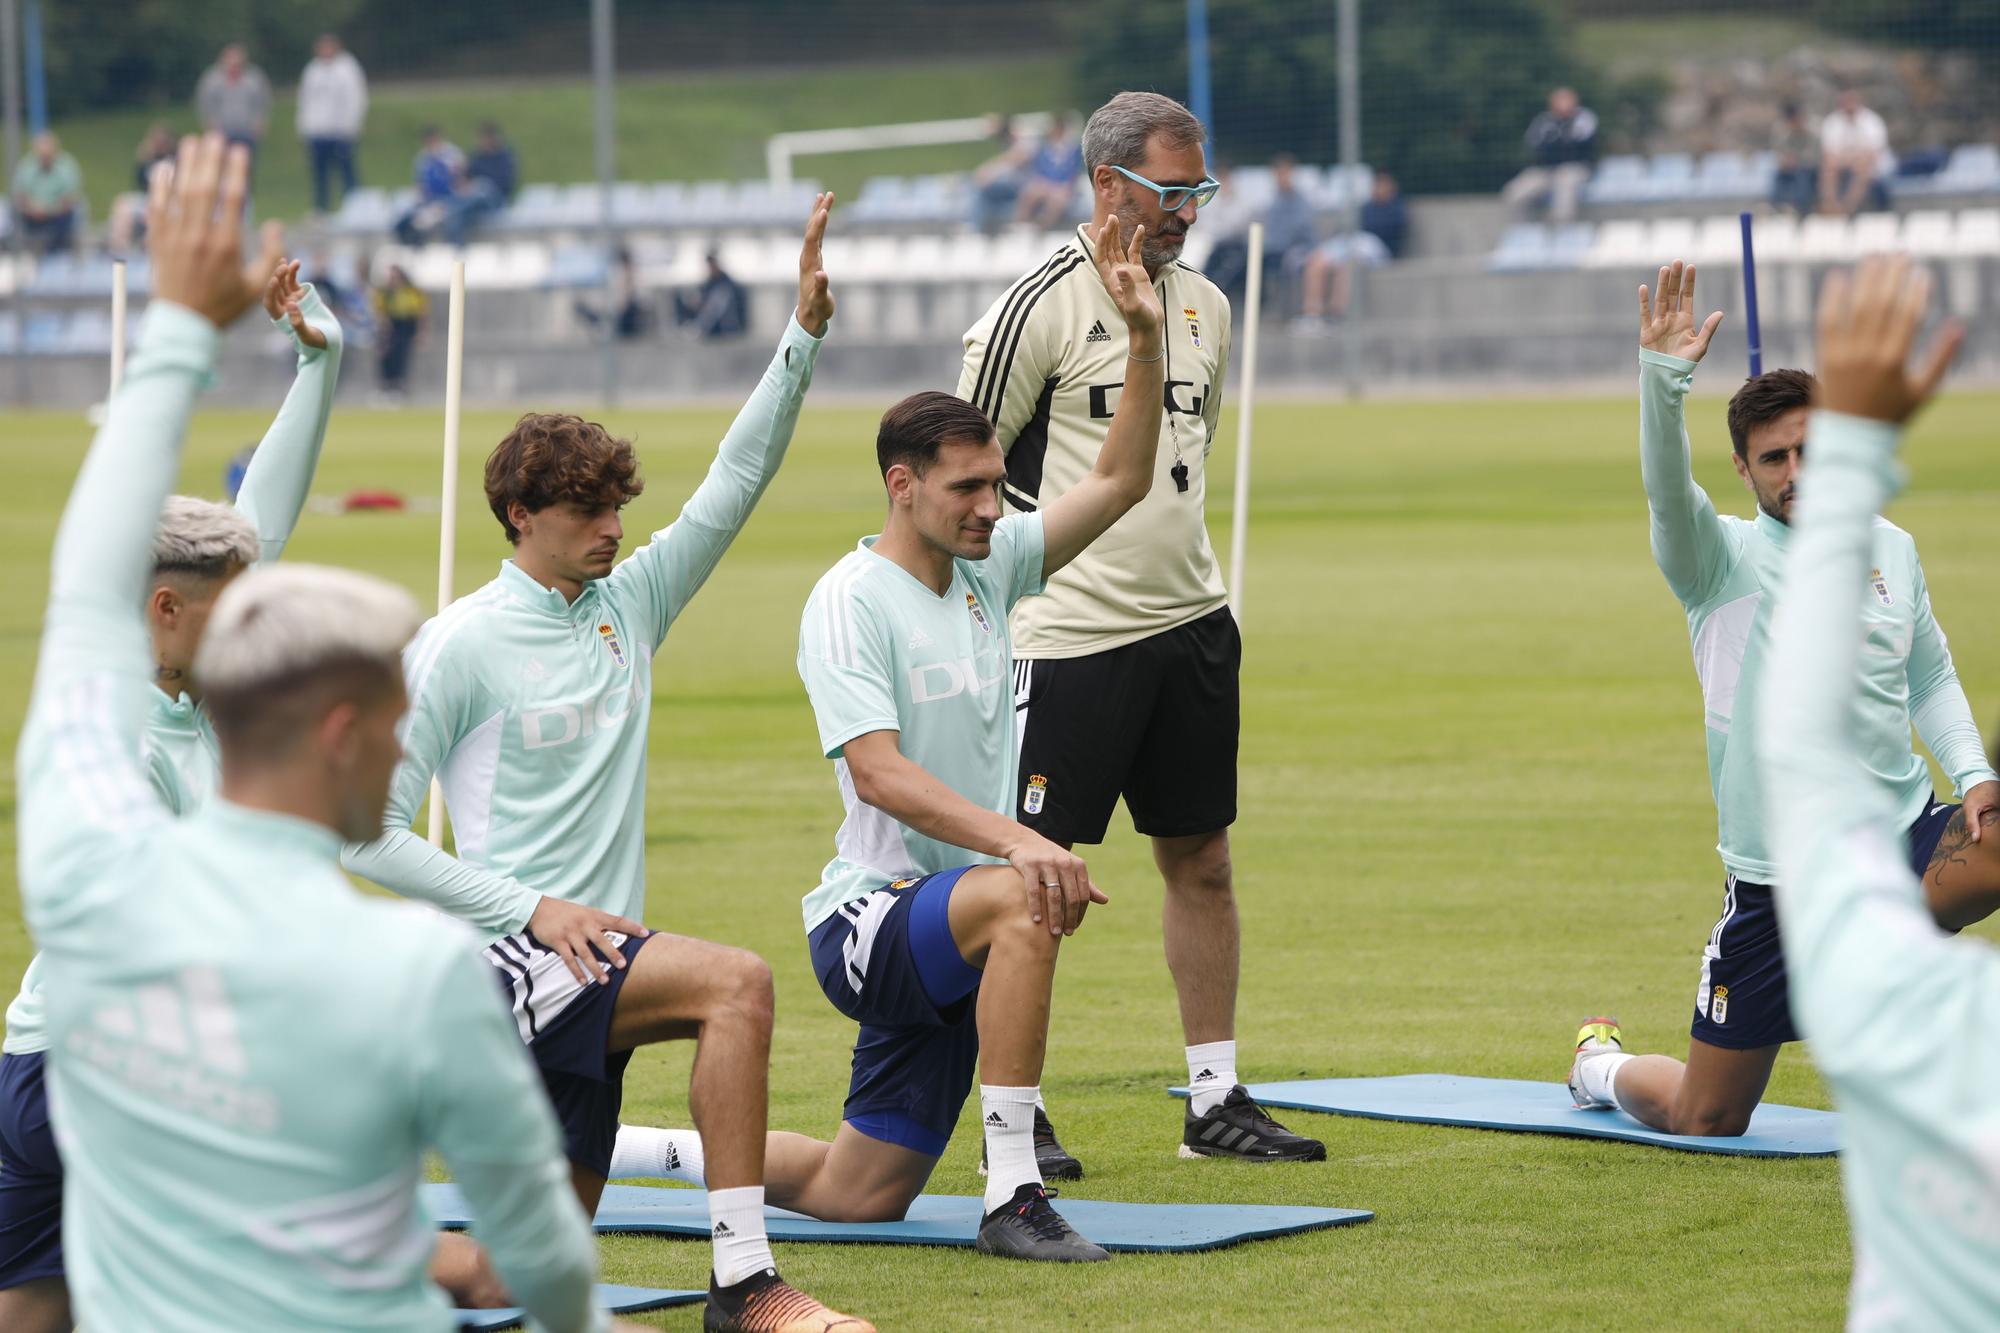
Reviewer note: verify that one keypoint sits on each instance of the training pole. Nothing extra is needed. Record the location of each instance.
(1239, 523)
(117, 327)
(454, 390)
(1750, 300)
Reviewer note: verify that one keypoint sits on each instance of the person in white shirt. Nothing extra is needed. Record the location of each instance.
(1855, 161)
(333, 104)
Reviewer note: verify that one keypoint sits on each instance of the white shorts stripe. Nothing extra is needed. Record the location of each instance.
(539, 979)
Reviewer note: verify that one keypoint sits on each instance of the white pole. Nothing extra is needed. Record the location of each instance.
(117, 326)
(454, 387)
(1239, 523)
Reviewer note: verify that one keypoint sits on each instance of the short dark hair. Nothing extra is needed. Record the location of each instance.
(553, 458)
(913, 430)
(1765, 399)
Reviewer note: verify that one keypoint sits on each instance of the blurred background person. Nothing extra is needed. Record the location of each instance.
(48, 197)
(1795, 183)
(1327, 285)
(718, 308)
(399, 309)
(1048, 193)
(1854, 158)
(233, 99)
(1562, 145)
(333, 104)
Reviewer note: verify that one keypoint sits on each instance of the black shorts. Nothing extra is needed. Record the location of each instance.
(567, 1026)
(1154, 721)
(31, 1175)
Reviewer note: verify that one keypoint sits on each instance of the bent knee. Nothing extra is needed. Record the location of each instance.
(742, 982)
(1711, 1122)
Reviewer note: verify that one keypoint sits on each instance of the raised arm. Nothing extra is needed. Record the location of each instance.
(1687, 538)
(281, 471)
(1123, 472)
(82, 783)
(1875, 983)
(664, 575)
(1943, 717)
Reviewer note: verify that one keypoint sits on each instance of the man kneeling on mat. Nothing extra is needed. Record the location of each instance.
(918, 928)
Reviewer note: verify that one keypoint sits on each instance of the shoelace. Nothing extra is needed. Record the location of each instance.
(1045, 1222)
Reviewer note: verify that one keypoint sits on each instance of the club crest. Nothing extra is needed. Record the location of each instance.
(1881, 587)
(1194, 324)
(1037, 792)
(978, 615)
(610, 637)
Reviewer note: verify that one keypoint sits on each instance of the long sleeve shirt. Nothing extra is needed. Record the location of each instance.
(1901, 1017)
(533, 710)
(243, 1124)
(333, 98)
(178, 746)
(1726, 572)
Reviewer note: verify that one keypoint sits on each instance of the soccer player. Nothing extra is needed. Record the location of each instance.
(1900, 1016)
(1128, 677)
(244, 1125)
(198, 547)
(530, 700)
(1726, 573)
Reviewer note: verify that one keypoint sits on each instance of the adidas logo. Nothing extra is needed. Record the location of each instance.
(672, 1160)
(919, 640)
(722, 1229)
(995, 1119)
(1204, 1076)
(1097, 333)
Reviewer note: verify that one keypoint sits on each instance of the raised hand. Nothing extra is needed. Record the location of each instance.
(1868, 323)
(281, 301)
(1667, 325)
(194, 231)
(815, 297)
(1123, 273)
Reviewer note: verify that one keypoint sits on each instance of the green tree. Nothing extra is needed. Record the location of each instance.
(1959, 25)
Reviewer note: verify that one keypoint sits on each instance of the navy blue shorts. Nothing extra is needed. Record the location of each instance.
(31, 1176)
(888, 962)
(567, 1026)
(1743, 1002)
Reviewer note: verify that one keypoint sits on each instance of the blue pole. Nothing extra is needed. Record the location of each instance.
(1750, 300)
(1197, 39)
(31, 56)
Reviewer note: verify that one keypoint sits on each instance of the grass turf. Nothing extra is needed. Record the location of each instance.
(1474, 810)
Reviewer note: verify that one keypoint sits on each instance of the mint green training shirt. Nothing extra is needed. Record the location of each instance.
(879, 651)
(532, 711)
(178, 743)
(1901, 1018)
(1726, 572)
(247, 1059)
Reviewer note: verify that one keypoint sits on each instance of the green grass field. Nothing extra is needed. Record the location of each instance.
(1475, 809)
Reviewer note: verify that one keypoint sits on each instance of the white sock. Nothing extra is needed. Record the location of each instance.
(656, 1154)
(1008, 1115)
(1598, 1076)
(1211, 1074)
(736, 1222)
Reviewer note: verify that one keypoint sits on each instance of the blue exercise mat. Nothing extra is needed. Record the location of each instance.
(610, 1296)
(940, 1219)
(1538, 1108)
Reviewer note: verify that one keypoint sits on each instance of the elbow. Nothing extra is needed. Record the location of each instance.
(868, 783)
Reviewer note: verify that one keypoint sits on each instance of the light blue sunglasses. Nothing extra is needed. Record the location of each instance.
(1173, 198)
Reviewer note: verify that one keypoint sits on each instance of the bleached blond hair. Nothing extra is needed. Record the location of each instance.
(287, 641)
(201, 539)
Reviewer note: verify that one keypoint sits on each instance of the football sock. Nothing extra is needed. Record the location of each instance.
(1598, 1076)
(656, 1154)
(736, 1222)
(1008, 1115)
(1211, 1074)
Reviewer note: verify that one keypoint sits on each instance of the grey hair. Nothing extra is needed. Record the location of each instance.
(202, 538)
(288, 622)
(1118, 131)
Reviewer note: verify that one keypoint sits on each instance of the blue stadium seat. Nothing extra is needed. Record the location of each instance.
(1617, 180)
(1974, 168)
(1570, 244)
(575, 266)
(1523, 247)
(1727, 174)
(1671, 177)
(364, 210)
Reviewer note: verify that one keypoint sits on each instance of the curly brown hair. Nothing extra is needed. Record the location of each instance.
(552, 458)
(1766, 398)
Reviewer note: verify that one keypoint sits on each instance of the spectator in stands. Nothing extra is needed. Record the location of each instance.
(127, 231)
(1562, 145)
(48, 196)
(632, 314)
(1854, 158)
(718, 308)
(487, 186)
(1225, 221)
(401, 309)
(1796, 182)
(1049, 192)
(437, 171)
(333, 103)
(997, 182)
(1289, 230)
(1381, 229)
(233, 98)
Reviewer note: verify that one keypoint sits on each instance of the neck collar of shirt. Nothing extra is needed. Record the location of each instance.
(867, 547)
(179, 711)
(1776, 532)
(536, 597)
(271, 829)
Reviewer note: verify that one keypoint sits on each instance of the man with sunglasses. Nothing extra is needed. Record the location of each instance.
(1126, 674)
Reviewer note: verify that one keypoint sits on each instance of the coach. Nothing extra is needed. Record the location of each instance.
(1126, 679)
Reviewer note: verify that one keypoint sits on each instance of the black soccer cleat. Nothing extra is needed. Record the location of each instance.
(1237, 1127)
(1051, 1158)
(766, 1303)
(1028, 1227)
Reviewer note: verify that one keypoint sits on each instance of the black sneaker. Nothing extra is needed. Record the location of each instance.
(1237, 1127)
(766, 1303)
(1051, 1157)
(1027, 1227)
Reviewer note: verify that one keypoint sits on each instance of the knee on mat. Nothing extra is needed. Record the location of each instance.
(1712, 1122)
